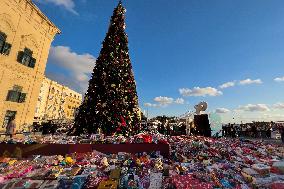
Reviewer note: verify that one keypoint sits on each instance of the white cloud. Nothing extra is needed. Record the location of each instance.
(227, 85)
(279, 105)
(254, 108)
(179, 101)
(279, 79)
(150, 105)
(79, 66)
(222, 110)
(147, 104)
(197, 91)
(275, 116)
(67, 4)
(250, 81)
(162, 100)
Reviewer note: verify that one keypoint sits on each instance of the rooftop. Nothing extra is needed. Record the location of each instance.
(43, 16)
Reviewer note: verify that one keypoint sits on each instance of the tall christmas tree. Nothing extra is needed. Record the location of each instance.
(111, 102)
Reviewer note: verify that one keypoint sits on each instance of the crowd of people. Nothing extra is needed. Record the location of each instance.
(172, 129)
(248, 130)
(165, 129)
(262, 130)
(253, 130)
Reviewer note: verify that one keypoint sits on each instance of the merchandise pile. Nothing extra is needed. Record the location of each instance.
(195, 162)
(88, 139)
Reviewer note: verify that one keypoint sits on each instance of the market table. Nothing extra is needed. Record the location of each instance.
(27, 150)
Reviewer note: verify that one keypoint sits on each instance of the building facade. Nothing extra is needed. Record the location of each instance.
(56, 102)
(25, 38)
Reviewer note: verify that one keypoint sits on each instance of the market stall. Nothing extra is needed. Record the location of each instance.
(193, 162)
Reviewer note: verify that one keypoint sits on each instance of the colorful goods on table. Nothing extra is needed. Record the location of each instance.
(195, 162)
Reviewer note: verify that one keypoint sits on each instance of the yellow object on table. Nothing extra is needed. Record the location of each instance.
(108, 184)
(69, 160)
(11, 162)
(115, 173)
(247, 177)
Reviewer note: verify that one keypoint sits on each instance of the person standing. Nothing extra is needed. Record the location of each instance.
(253, 131)
(269, 130)
(282, 133)
(11, 127)
(233, 131)
(168, 129)
(183, 129)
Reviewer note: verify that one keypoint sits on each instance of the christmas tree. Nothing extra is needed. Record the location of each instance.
(111, 102)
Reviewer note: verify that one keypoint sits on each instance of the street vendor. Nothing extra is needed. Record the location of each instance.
(11, 128)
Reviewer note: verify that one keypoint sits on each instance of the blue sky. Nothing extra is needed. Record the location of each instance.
(182, 52)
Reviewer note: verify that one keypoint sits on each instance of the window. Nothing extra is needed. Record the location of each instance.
(50, 106)
(26, 58)
(16, 95)
(4, 46)
(2, 40)
(8, 117)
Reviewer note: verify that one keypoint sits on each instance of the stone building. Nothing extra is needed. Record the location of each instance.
(72, 102)
(56, 102)
(25, 38)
